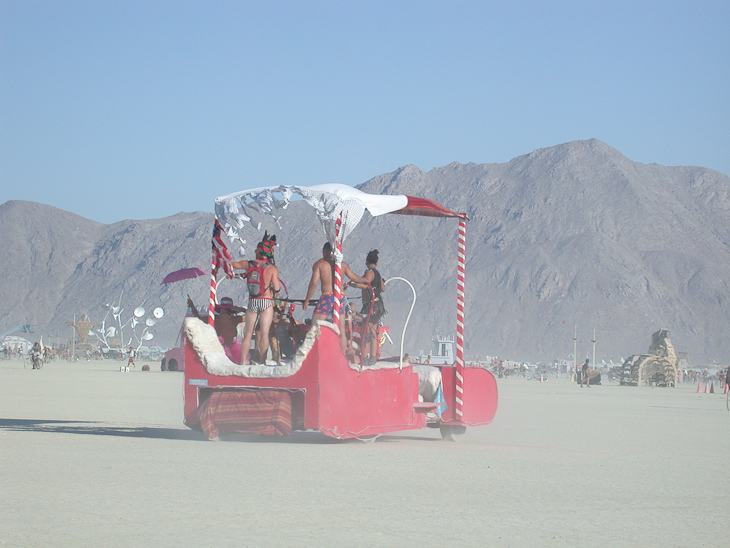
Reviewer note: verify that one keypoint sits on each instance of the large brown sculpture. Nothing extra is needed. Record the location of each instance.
(82, 327)
(657, 368)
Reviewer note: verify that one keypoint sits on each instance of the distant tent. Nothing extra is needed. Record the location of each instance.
(13, 341)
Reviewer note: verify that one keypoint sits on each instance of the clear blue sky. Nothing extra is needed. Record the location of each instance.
(141, 109)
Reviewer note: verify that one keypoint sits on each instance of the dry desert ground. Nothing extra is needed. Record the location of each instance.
(93, 457)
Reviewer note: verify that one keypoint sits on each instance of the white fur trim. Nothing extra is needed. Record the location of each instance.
(210, 350)
(429, 379)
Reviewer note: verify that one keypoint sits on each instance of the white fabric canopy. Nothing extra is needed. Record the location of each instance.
(376, 204)
(330, 201)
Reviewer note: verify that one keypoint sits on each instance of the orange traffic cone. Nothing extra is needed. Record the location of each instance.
(699, 388)
(712, 388)
(707, 388)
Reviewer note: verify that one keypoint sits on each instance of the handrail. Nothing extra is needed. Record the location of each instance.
(413, 304)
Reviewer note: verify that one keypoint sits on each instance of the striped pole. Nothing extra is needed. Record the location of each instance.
(213, 289)
(338, 272)
(459, 392)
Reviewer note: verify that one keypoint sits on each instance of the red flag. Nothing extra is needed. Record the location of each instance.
(221, 256)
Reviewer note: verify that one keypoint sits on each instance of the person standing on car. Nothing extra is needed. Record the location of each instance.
(373, 277)
(262, 278)
(323, 275)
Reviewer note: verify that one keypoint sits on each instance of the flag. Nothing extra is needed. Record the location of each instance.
(221, 256)
(439, 398)
(221, 259)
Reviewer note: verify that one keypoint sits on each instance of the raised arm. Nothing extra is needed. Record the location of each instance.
(192, 307)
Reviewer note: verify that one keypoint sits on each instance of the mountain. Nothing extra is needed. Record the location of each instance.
(571, 235)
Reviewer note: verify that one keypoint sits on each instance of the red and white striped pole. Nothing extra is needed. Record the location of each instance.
(461, 257)
(213, 289)
(338, 271)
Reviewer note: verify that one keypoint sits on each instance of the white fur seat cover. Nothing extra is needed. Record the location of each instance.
(210, 350)
(429, 380)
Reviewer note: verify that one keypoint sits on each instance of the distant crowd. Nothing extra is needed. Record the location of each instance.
(691, 376)
(47, 353)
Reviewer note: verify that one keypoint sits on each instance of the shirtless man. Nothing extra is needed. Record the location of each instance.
(260, 298)
(227, 318)
(323, 273)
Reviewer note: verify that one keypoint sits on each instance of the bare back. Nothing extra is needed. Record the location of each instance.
(226, 325)
(324, 269)
(323, 275)
(271, 281)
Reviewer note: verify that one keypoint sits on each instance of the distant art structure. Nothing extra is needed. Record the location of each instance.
(657, 368)
(112, 336)
(106, 337)
(83, 328)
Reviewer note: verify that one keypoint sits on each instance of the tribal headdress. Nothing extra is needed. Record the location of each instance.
(266, 245)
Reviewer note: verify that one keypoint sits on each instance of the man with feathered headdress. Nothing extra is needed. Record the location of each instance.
(262, 278)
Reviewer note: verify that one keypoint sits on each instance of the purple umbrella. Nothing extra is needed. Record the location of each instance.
(183, 274)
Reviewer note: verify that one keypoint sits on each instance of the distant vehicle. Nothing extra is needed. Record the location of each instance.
(174, 360)
(443, 351)
(114, 354)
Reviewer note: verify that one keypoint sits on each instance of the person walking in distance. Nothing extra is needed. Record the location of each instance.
(132, 355)
(585, 375)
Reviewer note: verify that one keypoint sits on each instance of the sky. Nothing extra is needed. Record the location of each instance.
(141, 109)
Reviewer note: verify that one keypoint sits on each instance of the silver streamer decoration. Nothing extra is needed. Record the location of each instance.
(236, 211)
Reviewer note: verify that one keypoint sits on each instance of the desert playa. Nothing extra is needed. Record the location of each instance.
(90, 456)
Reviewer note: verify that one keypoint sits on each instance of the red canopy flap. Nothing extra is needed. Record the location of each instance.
(428, 208)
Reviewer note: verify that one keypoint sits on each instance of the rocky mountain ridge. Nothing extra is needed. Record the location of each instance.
(575, 234)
